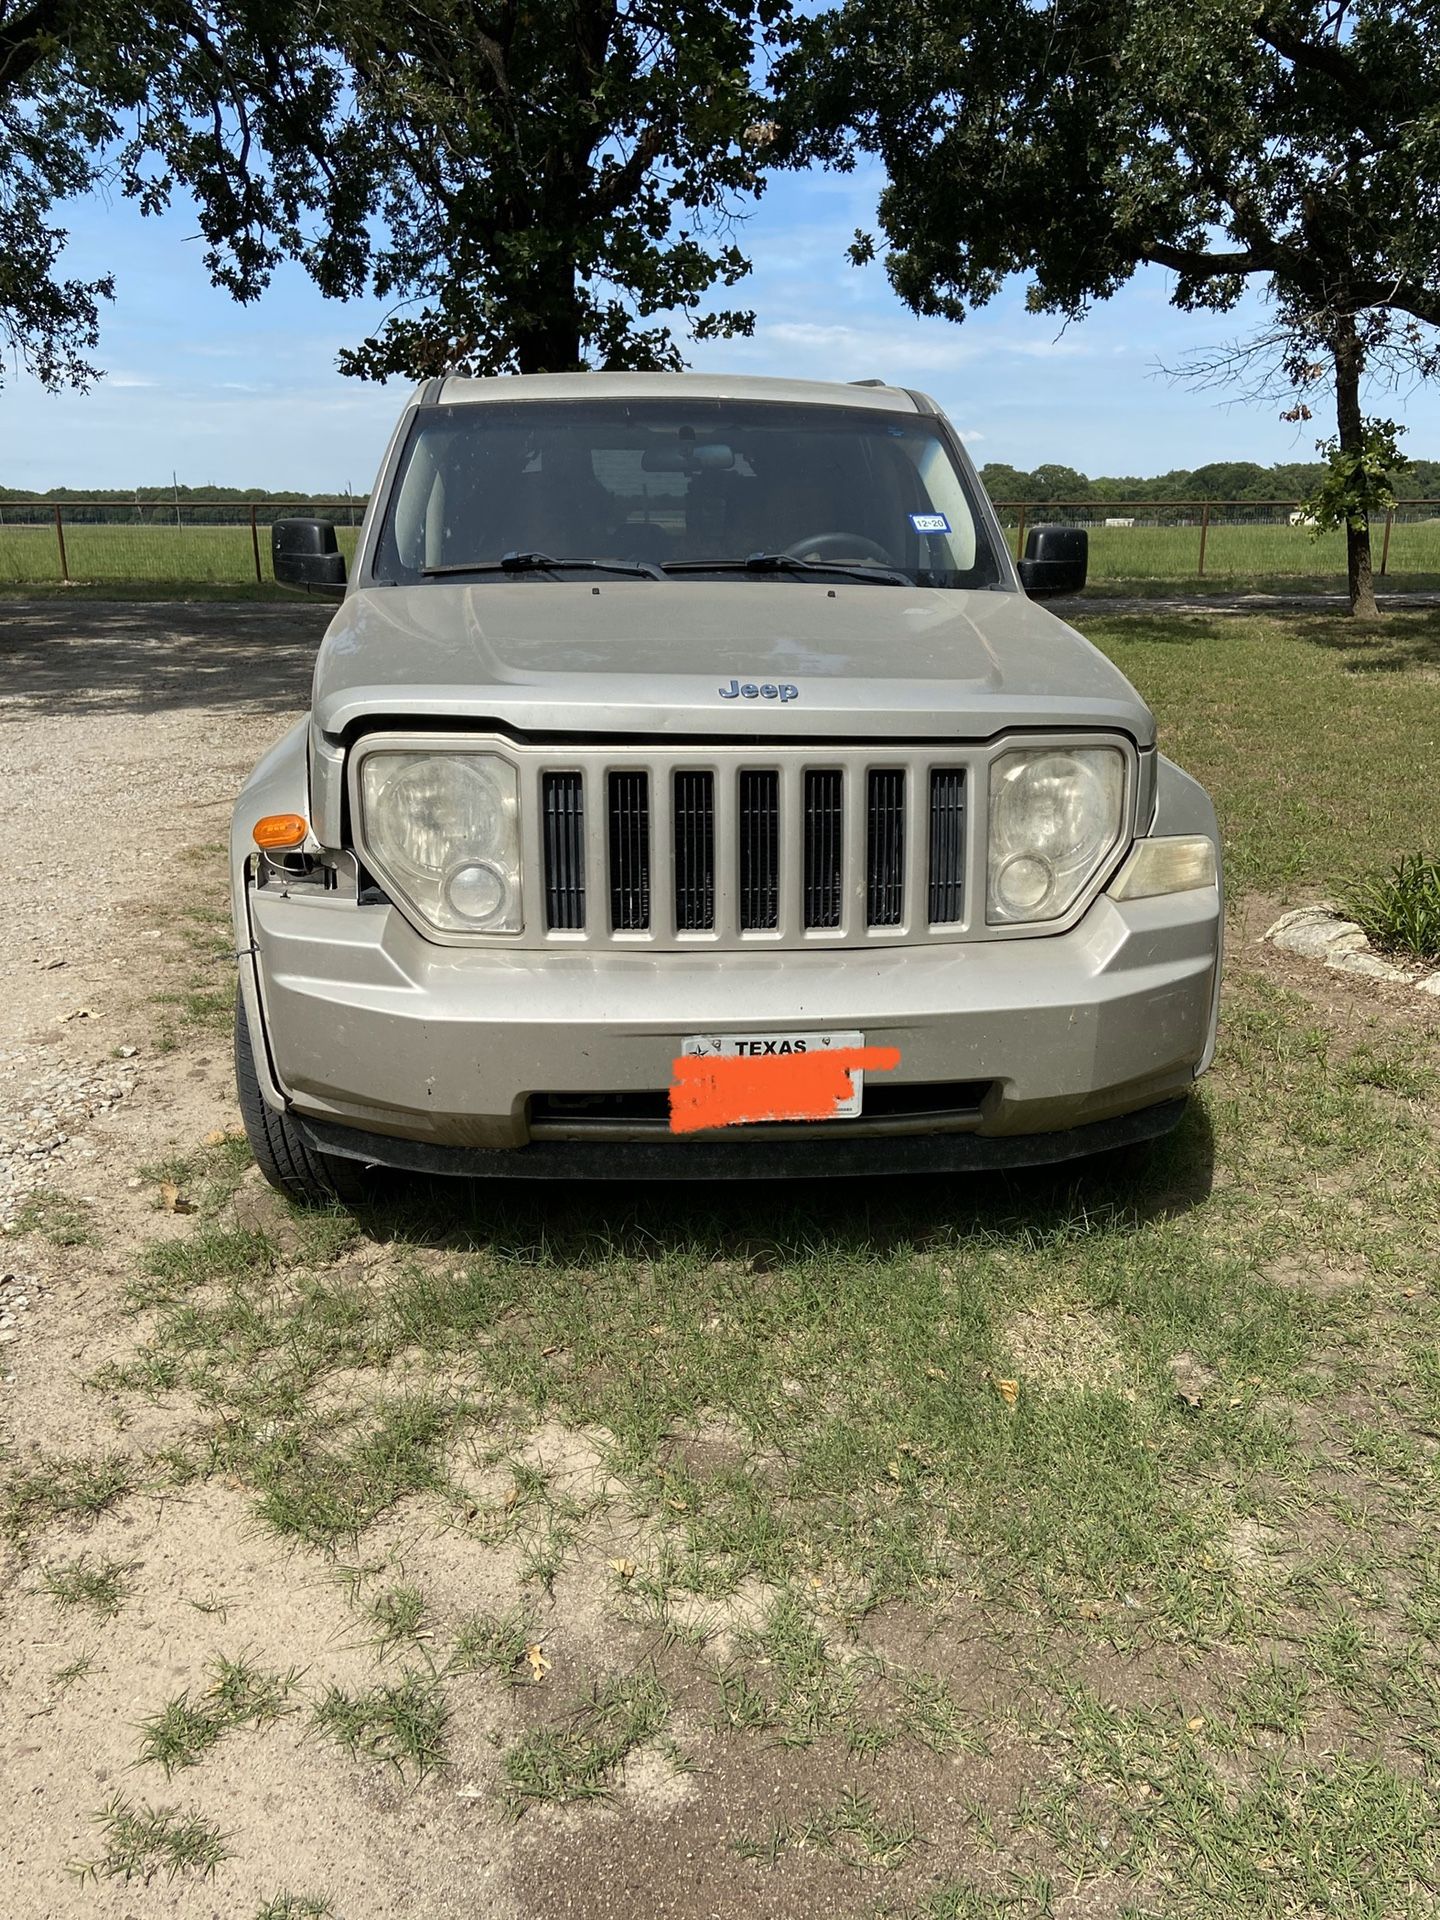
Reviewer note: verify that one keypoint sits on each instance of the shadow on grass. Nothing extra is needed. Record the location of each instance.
(579, 1221)
(1399, 642)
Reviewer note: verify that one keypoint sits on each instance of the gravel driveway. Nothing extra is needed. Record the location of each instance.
(125, 730)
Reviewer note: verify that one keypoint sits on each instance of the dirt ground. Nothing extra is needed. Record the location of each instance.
(125, 731)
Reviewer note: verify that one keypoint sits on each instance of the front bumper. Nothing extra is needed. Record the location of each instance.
(363, 1026)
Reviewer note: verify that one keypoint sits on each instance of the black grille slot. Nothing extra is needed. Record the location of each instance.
(824, 845)
(885, 846)
(630, 852)
(694, 851)
(947, 845)
(759, 850)
(563, 810)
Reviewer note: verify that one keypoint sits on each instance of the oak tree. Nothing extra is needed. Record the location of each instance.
(236, 102)
(532, 184)
(1291, 145)
(555, 180)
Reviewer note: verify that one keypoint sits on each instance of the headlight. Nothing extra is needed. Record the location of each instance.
(443, 829)
(1054, 816)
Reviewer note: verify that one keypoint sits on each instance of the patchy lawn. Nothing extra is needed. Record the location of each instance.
(1042, 1546)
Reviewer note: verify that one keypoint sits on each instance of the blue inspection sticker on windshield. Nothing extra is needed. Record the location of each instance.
(929, 523)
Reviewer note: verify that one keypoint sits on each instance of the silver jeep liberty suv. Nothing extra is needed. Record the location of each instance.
(673, 734)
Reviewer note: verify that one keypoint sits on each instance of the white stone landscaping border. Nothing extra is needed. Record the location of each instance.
(1320, 933)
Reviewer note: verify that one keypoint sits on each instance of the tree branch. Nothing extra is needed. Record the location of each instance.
(1198, 265)
(20, 39)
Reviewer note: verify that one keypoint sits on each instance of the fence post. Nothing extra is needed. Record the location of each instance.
(255, 544)
(60, 542)
(1019, 532)
(1204, 535)
(1385, 549)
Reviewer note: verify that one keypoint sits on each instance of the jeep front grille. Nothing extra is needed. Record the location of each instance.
(629, 818)
(688, 846)
(564, 828)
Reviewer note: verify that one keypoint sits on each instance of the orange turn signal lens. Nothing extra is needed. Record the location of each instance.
(280, 830)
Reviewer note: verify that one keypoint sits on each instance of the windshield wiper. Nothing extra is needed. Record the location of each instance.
(791, 563)
(545, 563)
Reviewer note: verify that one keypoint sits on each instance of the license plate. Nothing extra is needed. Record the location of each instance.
(777, 1046)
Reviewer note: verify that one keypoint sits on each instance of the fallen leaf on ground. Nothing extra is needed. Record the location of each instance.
(1008, 1390)
(1194, 1726)
(174, 1200)
(1192, 1380)
(625, 1568)
(936, 1373)
(216, 1137)
(539, 1665)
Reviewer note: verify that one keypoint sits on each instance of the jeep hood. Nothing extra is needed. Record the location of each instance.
(649, 657)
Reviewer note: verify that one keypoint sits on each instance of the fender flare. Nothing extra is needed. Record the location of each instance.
(1183, 806)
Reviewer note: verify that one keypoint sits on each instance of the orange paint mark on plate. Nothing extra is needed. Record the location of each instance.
(713, 1092)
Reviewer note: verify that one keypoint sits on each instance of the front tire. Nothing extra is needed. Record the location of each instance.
(281, 1152)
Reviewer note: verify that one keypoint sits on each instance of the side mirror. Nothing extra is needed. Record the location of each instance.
(1057, 560)
(306, 554)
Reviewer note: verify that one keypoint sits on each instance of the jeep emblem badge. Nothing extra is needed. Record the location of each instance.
(782, 691)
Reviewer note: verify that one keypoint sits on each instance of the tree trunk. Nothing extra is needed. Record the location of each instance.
(1349, 361)
(551, 344)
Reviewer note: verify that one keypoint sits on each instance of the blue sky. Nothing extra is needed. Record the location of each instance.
(249, 396)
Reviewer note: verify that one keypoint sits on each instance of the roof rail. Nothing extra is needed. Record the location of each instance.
(868, 383)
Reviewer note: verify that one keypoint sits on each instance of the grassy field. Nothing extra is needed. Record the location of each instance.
(1041, 1546)
(133, 557)
(130, 558)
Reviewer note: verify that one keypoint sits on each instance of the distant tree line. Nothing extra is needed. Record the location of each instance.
(1219, 480)
(1237, 480)
(198, 506)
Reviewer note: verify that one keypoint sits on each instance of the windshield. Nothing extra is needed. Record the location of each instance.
(685, 485)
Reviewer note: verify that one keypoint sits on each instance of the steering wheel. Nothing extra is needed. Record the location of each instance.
(838, 546)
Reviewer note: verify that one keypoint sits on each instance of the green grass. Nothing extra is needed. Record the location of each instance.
(580, 1758)
(201, 561)
(1400, 910)
(239, 1694)
(1257, 556)
(1311, 732)
(99, 1585)
(73, 1671)
(852, 1830)
(149, 556)
(487, 1643)
(142, 1840)
(56, 1217)
(399, 1722)
(62, 1487)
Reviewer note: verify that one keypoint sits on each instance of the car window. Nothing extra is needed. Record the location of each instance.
(676, 482)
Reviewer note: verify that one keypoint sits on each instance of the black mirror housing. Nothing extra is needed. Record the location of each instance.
(306, 555)
(1057, 560)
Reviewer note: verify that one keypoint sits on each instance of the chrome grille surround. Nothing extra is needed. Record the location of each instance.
(610, 873)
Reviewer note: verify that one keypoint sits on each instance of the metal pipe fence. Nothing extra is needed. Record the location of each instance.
(227, 543)
(1228, 540)
(153, 542)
